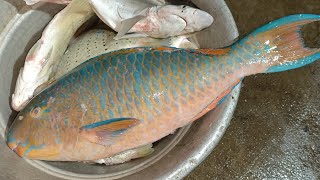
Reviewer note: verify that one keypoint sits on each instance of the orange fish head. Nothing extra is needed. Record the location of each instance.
(33, 134)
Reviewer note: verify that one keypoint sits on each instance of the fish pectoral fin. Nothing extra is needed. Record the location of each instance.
(127, 24)
(105, 132)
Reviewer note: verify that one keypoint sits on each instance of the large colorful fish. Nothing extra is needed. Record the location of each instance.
(99, 41)
(129, 98)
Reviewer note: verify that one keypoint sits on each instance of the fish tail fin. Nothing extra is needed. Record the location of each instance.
(280, 46)
(290, 44)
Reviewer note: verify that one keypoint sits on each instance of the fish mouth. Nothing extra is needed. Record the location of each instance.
(19, 105)
(14, 147)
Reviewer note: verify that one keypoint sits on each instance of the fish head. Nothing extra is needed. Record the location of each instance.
(33, 132)
(195, 19)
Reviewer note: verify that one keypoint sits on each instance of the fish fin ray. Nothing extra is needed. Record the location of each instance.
(285, 34)
(105, 132)
(127, 24)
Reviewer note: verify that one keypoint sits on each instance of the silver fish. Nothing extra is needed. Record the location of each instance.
(145, 18)
(49, 49)
(31, 2)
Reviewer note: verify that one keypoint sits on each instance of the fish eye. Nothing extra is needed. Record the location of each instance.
(36, 112)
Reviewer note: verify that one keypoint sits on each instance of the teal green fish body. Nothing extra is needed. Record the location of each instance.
(128, 98)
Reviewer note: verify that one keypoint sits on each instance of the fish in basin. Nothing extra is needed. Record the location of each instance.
(99, 41)
(154, 18)
(144, 18)
(48, 50)
(132, 97)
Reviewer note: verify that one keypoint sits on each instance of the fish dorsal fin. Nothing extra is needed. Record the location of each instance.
(214, 51)
(127, 24)
(105, 132)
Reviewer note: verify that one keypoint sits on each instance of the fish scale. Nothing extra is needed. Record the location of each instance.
(109, 63)
(183, 86)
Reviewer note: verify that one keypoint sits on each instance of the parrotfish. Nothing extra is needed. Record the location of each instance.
(99, 41)
(132, 97)
(48, 50)
(150, 18)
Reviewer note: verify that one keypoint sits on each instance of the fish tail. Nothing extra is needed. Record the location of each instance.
(279, 46)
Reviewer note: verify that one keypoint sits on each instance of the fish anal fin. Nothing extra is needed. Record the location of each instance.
(105, 132)
(214, 103)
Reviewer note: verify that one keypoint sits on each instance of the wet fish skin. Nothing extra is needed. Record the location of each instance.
(31, 2)
(84, 48)
(112, 12)
(172, 20)
(48, 50)
(146, 18)
(77, 54)
(128, 98)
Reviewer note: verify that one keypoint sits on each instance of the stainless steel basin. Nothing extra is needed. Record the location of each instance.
(174, 157)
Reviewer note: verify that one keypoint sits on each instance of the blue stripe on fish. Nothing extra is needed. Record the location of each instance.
(286, 20)
(33, 147)
(97, 124)
(294, 64)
